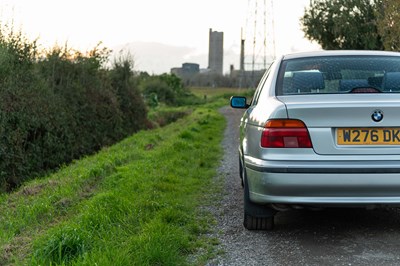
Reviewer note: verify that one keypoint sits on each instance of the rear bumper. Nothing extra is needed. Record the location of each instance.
(324, 183)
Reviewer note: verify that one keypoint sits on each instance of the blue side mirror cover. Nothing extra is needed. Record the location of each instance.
(239, 102)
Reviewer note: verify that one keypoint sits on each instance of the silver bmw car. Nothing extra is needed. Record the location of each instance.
(322, 130)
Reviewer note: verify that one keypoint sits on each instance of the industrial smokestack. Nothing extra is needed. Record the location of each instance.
(241, 51)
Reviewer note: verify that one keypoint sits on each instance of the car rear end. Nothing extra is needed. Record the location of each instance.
(325, 131)
(328, 156)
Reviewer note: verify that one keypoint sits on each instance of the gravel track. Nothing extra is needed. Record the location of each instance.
(328, 237)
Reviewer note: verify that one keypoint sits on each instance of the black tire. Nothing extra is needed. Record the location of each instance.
(256, 217)
(258, 223)
(241, 172)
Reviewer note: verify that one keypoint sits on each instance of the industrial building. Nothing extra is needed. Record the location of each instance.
(216, 52)
(213, 76)
(187, 70)
(215, 59)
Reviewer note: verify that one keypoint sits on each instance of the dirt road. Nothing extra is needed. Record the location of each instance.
(328, 237)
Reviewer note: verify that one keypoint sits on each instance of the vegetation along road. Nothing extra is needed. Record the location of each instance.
(133, 203)
(300, 237)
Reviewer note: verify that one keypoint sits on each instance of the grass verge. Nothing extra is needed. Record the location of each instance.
(135, 203)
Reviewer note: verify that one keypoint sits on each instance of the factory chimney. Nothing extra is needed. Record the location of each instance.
(241, 52)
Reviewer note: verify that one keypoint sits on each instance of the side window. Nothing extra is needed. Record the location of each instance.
(259, 88)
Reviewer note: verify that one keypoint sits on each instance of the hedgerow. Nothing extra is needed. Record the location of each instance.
(58, 105)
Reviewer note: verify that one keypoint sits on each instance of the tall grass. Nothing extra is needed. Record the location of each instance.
(135, 203)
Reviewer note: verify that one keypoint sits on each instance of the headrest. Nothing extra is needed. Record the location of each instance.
(307, 81)
(391, 81)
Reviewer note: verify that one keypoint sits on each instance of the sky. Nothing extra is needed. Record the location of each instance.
(161, 34)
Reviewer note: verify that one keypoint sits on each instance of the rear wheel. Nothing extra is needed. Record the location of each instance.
(241, 172)
(256, 217)
(258, 223)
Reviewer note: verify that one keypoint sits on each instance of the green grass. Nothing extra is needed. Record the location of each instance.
(163, 115)
(135, 203)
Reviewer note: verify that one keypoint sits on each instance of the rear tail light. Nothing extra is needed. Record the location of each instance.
(285, 133)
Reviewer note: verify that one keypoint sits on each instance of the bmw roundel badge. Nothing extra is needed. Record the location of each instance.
(377, 115)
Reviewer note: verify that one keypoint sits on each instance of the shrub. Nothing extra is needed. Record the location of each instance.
(165, 88)
(59, 106)
(131, 104)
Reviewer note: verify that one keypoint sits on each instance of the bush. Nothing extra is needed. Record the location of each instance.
(59, 106)
(165, 88)
(131, 104)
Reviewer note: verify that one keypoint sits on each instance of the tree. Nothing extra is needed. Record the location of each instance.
(388, 24)
(343, 24)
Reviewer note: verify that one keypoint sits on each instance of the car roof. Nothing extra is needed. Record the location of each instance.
(339, 53)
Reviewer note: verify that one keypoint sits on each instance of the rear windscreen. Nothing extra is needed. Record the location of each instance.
(339, 74)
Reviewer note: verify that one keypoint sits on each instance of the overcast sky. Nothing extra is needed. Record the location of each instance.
(173, 23)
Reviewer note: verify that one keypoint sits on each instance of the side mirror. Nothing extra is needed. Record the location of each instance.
(239, 102)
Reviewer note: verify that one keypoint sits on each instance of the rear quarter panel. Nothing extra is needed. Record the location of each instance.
(253, 124)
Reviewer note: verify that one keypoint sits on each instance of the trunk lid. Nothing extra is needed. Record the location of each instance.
(344, 123)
